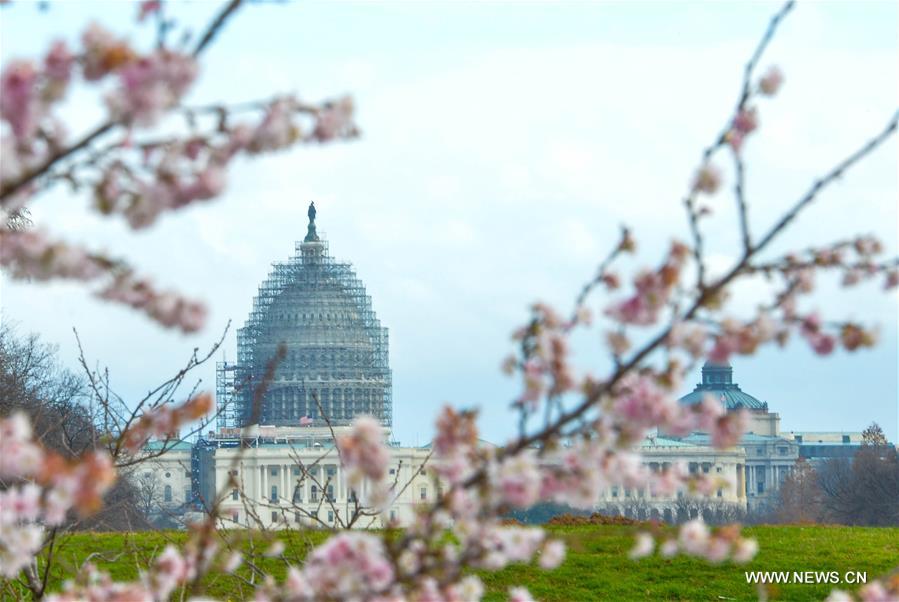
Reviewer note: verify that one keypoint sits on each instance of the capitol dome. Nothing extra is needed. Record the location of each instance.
(336, 362)
(718, 382)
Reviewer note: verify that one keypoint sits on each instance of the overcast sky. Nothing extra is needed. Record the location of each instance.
(503, 146)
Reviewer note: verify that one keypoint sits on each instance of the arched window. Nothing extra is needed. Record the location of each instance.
(167, 494)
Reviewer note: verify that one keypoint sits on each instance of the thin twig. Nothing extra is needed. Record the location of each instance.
(740, 195)
(745, 92)
(216, 26)
(830, 177)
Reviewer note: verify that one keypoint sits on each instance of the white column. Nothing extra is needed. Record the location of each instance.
(263, 479)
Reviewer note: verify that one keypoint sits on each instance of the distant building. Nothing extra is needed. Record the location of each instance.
(274, 463)
(769, 456)
(336, 362)
(280, 477)
(165, 482)
(817, 447)
(658, 454)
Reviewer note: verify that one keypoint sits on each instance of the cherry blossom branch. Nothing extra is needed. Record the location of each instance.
(11, 189)
(8, 190)
(739, 194)
(597, 391)
(834, 174)
(693, 216)
(708, 177)
(167, 175)
(216, 26)
(625, 245)
(577, 451)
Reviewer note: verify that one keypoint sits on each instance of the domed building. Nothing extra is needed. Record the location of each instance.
(277, 450)
(770, 457)
(335, 362)
(718, 382)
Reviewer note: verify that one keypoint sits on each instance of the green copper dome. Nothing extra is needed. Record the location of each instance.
(718, 382)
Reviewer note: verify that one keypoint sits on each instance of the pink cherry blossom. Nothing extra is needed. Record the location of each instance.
(19, 455)
(745, 550)
(533, 375)
(707, 179)
(746, 121)
(771, 81)
(21, 503)
(552, 555)
(19, 102)
(643, 546)
(618, 342)
(275, 549)
(668, 548)
(694, 536)
(518, 480)
(19, 544)
(729, 428)
(653, 289)
(171, 568)
(717, 550)
(349, 565)
(735, 139)
(103, 52)
(276, 131)
(164, 421)
(456, 432)
(876, 592)
(167, 308)
(505, 545)
(690, 336)
(823, 344)
(362, 451)
(725, 345)
(31, 254)
(469, 589)
(58, 64)
(150, 85)
(642, 403)
(520, 594)
(296, 586)
(147, 8)
(335, 119)
(635, 310)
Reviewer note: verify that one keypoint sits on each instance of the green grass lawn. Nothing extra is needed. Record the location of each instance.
(597, 566)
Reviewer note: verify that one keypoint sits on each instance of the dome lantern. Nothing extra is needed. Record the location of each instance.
(718, 382)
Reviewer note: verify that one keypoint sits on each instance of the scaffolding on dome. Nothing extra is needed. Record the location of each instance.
(337, 350)
(226, 415)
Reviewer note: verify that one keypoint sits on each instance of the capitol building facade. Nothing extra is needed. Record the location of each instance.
(312, 356)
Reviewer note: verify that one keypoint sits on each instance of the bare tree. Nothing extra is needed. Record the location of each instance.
(801, 496)
(873, 435)
(149, 494)
(864, 490)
